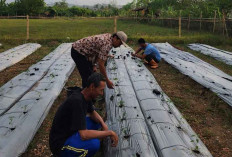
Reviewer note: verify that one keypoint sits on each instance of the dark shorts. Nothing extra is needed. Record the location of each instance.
(149, 57)
(75, 146)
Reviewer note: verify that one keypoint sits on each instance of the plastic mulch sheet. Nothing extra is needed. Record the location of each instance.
(218, 54)
(200, 71)
(19, 124)
(14, 55)
(170, 133)
(124, 116)
(14, 89)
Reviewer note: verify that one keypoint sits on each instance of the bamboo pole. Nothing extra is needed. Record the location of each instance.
(225, 32)
(189, 22)
(200, 19)
(214, 21)
(28, 27)
(115, 24)
(180, 25)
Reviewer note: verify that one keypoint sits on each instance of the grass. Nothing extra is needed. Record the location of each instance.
(208, 115)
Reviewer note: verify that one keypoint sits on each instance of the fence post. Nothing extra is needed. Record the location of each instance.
(214, 21)
(115, 24)
(189, 22)
(27, 27)
(224, 24)
(152, 16)
(180, 25)
(200, 19)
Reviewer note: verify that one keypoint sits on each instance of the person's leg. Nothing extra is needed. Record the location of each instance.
(91, 125)
(83, 65)
(74, 146)
(153, 62)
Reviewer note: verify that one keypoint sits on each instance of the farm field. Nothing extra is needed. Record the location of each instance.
(209, 116)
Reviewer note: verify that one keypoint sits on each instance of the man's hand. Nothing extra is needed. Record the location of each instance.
(110, 56)
(110, 84)
(114, 139)
(104, 127)
(133, 54)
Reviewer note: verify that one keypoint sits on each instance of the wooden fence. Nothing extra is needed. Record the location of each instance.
(214, 25)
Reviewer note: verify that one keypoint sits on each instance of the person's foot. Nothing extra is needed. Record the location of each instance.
(153, 64)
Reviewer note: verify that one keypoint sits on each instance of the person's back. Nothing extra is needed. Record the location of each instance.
(151, 50)
(151, 55)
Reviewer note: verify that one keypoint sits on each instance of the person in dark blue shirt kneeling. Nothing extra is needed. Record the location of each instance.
(151, 55)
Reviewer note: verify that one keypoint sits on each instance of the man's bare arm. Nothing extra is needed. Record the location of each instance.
(91, 134)
(101, 64)
(98, 119)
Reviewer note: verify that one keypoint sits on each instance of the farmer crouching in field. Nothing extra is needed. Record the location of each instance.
(93, 50)
(151, 54)
(75, 134)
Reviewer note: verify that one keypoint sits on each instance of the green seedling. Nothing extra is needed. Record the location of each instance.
(123, 116)
(52, 75)
(196, 150)
(11, 119)
(121, 104)
(114, 68)
(126, 132)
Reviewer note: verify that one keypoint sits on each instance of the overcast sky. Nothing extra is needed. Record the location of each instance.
(85, 2)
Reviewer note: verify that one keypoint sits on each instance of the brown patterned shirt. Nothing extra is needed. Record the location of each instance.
(94, 47)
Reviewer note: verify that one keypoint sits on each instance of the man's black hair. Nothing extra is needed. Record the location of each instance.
(115, 35)
(141, 41)
(95, 78)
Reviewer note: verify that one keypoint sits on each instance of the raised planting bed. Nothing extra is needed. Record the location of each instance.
(221, 55)
(14, 55)
(171, 134)
(200, 71)
(14, 89)
(19, 124)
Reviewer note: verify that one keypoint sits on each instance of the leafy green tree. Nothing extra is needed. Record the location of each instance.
(29, 7)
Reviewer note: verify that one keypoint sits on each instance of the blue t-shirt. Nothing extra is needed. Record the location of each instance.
(150, 49)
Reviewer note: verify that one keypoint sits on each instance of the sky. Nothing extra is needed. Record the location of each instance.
(85, 2)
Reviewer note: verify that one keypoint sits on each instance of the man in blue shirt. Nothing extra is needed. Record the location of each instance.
(151, 54)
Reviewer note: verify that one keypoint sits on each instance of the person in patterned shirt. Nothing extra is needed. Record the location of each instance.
(93, 50)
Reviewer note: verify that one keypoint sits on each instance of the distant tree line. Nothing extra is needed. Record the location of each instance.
(173, 8)
(163, 8)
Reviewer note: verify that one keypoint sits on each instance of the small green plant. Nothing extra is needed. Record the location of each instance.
(196, 150)
(121, 104)
(52, 75)
(123, 116)
(11, 119)
(114, 68)
(126, 132)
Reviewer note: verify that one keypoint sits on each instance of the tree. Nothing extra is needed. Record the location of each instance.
(3, 7)
(29, 7)
(61, 8)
